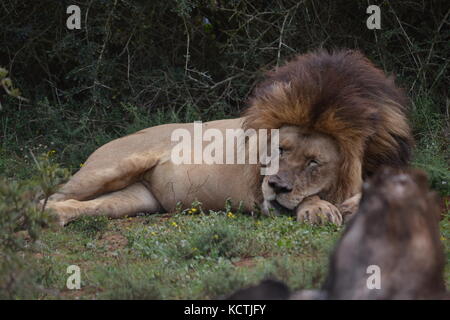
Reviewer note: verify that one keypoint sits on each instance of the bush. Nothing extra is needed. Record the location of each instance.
(21, 221)
(142, 63)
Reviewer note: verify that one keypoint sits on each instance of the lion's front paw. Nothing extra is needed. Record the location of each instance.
(319, 212)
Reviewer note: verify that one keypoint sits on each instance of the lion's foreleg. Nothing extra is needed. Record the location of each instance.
(133, 199)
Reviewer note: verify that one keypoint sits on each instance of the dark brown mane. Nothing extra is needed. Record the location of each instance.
(344, 95)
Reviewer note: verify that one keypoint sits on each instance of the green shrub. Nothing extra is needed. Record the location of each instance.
(432, 153)
(22, 218)
(143, 63)
(89, 226)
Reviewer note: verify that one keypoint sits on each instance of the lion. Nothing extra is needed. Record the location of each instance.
(339, 119)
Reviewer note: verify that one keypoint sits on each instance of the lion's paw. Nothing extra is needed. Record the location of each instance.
(319, 212)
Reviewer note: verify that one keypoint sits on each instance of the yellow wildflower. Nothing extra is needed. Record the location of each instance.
(51, 153)
(174, 224)
(230, 215)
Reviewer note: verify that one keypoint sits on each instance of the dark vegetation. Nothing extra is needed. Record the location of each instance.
(135, 64)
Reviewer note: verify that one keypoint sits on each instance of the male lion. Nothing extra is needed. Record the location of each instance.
(339, 118)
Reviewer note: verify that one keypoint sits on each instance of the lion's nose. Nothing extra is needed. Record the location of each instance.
(279, 185)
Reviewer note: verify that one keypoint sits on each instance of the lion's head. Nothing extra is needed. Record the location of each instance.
(340, 118)
(308, 165)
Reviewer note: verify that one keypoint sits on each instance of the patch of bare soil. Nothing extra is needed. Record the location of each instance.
(38, 255)
(84, 292)
(163, 216)
(112, 241)
(245, 263)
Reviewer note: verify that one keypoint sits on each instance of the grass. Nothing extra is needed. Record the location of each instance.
(182, 256)
(432, 153)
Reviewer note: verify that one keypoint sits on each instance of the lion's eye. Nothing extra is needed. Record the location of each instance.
(281, 151)
(313, 163)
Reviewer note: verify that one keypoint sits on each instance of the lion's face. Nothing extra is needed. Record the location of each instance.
(308, 165)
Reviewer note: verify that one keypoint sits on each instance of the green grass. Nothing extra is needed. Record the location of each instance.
(432, 153)
(182, 256)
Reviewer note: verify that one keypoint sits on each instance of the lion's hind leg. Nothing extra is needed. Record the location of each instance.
(130, 201)
(102, 175)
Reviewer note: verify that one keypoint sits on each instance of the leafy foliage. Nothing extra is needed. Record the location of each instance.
(90, 226)
(22, 219)
(137, 64)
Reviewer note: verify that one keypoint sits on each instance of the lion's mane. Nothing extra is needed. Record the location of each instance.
(344, 95)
